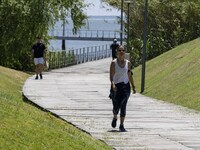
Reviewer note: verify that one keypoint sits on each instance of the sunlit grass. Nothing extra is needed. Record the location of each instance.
(25, 127)
(174, 76)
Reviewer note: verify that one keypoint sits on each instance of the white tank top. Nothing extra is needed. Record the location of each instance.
(121, 74)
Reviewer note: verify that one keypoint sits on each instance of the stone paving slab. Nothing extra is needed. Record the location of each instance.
(79, 95)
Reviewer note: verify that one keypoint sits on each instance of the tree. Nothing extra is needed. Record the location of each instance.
(23, 20)
(170, 23)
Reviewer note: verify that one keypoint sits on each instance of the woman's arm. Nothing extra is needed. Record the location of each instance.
(112, 72)
(130, 77)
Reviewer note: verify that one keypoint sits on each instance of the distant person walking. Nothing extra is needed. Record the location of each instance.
(38, 52)
(120, 78)
(113, 47)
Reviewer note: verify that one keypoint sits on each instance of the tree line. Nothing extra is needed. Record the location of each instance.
(21, 21)
(170, 23)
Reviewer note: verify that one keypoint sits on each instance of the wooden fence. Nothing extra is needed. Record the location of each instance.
(60, 59)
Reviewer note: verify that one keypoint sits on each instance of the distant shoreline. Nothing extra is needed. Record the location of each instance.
(101, 17)
(91, 16)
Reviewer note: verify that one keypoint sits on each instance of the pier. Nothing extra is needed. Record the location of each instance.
(87, 35)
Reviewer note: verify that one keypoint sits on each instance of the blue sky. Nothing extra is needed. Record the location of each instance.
(100, 9)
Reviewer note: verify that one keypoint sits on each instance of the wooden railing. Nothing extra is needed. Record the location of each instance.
(60, 59)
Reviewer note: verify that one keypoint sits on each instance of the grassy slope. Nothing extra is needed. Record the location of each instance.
(23, 126)
(174, 76)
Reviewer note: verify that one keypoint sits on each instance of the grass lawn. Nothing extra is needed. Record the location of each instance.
(174, 76)
(25, 127)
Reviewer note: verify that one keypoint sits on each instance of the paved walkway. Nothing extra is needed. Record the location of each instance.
(79, 95)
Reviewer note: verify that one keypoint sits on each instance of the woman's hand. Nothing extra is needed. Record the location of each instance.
(134, 90)
(114, 88)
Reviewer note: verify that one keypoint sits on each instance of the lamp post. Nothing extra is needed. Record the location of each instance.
(63, 40)
(144, 47)
(128, 24)
(121, 28)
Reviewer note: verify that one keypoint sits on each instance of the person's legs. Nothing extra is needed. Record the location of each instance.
(40, 70)
(115, 112)
(122, 120)
(123, 109)
(124, 99)
(114, 54)
(41, 66)
(116, 105)
(121, 126)
(36, 62)
(114, 121)
(37, 71)
(123, 114)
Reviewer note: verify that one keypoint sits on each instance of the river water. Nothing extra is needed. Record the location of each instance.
(106, 23)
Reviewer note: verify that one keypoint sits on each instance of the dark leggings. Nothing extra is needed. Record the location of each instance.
(114, 54)
(120, 98)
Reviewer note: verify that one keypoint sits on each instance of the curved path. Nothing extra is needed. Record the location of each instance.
(79, 95)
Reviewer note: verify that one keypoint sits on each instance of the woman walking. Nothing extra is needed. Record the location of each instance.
(120, 78)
